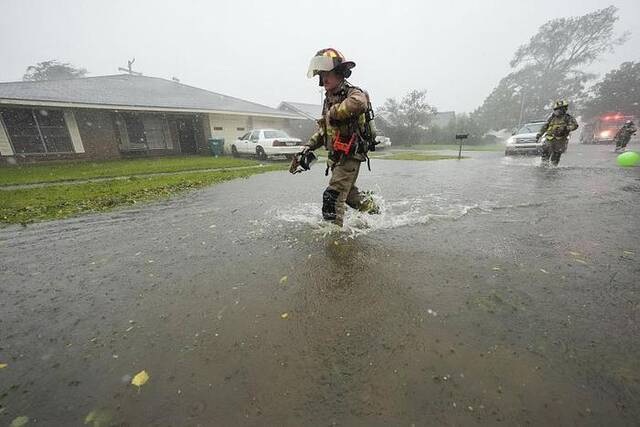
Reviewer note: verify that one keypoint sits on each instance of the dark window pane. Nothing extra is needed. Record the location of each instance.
(135, 129)
(22, 130)
(50, 118)
(54, 131)
(27, 144)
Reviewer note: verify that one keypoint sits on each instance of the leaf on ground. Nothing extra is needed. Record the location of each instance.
(140, 378)
(3, 365)
(496, 268)
(98, 418)
(19, 421)
(544, 271)
(284, 316)
(575, 253)
(581, 261)
(283, 280)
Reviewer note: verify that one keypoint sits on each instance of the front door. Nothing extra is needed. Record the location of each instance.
(187, 135)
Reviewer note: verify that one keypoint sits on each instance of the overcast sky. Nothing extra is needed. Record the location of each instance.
(259, 50)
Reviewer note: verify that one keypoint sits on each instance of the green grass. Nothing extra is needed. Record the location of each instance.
(60, 201)
(417, 156)
(436, 147)
(30, 174)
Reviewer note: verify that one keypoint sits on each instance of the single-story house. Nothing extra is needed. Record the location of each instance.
(109, 117)
(310, 112)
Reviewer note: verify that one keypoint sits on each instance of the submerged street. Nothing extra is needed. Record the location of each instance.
(489, 290)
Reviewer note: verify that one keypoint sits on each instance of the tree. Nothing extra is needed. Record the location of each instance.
(619, 91)
(409, 118)
(550, 66)
(53, 70)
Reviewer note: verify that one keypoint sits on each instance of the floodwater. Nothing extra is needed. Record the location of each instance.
(488, 291)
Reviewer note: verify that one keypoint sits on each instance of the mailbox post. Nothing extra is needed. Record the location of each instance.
(461, 137)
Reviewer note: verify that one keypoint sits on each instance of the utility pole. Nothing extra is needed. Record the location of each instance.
(129, 68)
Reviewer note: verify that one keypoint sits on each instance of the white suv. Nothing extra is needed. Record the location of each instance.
(266, 142)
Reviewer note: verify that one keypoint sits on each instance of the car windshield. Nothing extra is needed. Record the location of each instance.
(529, 128)
(269, 134)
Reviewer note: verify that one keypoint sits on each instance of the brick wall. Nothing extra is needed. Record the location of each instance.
(98, 133)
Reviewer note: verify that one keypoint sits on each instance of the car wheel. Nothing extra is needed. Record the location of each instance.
(260, 154)
(234, 151)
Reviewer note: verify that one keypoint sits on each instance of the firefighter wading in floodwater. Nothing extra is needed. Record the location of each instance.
(624, 134)
(346, 131)
(557, 129)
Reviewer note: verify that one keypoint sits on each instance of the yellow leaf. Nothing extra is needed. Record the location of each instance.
(284, 315)
(98, 418)
(19, 421)
(90, 417)
(575, 253)
(544, 271)
(140, 379)
(284, 279)
(581, 261)
(3, 365)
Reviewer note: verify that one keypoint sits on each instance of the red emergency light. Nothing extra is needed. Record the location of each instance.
(616, 117)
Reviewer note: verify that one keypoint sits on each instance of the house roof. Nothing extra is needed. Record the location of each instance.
(310, 111)
(124, 91)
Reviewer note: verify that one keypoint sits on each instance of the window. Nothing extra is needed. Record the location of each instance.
(135, 129)
(255, 135)
(245, 136)
(240, 129)
(37, 131)
(149, 131)
(156, 132)
(217, 128)
(270, 134)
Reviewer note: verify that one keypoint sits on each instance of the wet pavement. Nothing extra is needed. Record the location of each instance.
(489, 291)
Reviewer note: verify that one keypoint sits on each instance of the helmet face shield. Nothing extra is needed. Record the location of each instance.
(560, 105)
(318, 64)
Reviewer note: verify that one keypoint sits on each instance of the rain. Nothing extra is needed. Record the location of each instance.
(172, 254)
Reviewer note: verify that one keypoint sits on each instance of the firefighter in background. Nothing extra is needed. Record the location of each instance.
(346, 131)
(624, 134)
(557, 129)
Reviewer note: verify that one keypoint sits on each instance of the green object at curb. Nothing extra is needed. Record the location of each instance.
(628, 159)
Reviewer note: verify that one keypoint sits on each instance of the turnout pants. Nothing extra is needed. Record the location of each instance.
(622, 142)
(552, 150)
(342, 189)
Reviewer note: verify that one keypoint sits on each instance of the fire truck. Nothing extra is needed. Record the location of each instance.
(602, 129)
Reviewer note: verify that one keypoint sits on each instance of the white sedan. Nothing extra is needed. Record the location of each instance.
(266, 142)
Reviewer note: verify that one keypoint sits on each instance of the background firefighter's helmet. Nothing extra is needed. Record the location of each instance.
(628, 122)
(329, 60)
(560, 104)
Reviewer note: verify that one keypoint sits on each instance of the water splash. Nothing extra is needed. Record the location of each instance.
(393, 214)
